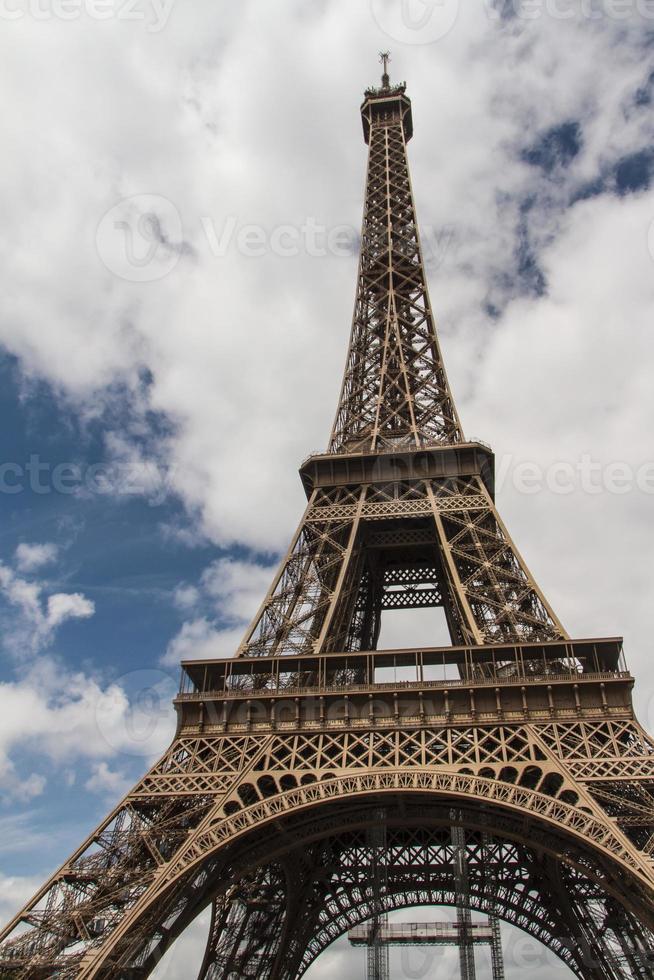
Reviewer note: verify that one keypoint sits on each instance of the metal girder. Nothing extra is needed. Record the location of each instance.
(463, 912)
(424, 934)
(315, 601)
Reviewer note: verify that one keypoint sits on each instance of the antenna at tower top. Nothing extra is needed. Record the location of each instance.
(384, 58)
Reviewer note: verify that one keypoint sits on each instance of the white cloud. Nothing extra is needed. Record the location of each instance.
(15, 890)
(20, 832)
(338, 960)
(59, 720)
(29, 619)
(133, 472)
(30, 557)
(16, 786)
(245, 354)
(30, 788)
(184, 958)
(186, 597)
(25, 596)
(201, 639)
(237, 587)
(65, 716)
(107, 782)
(233, 590)
(63, 606)
(69, 717)
(578, 366)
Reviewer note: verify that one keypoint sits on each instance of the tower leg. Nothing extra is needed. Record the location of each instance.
(247, 927)
(463, 914)
(378, 954)
(497, 956)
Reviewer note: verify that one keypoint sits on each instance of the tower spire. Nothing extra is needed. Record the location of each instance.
(384, 58)
(395, 391)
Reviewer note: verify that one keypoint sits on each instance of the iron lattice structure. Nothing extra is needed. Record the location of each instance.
(420, 934)
(519, 737)
(377, 949)
(378, 935)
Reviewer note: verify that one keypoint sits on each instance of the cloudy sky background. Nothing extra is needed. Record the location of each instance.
(162, 377)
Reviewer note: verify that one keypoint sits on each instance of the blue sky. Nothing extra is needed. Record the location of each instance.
(68, 531)
(172, 394)
(108, 549)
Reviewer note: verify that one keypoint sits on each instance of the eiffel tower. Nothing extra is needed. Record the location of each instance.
(514, 742)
